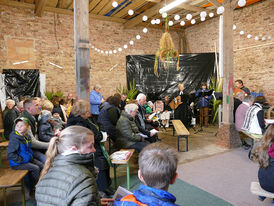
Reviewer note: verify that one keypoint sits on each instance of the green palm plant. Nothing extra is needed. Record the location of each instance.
(217, 86)
(131, 92)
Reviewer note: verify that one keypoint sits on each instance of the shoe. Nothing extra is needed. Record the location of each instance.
(262, 198)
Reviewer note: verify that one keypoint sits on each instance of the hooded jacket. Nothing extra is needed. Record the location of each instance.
(70, 181)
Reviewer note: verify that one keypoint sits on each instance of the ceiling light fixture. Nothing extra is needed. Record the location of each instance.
(171, 6)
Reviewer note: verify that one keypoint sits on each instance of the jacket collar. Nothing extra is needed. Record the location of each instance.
(127, 115)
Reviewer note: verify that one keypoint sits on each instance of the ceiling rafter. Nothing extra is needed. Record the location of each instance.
(39, 7)
(92, 4)
(134, 5)
(99, 6)
(215, 3)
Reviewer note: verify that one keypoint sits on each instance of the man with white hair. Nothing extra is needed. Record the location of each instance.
(127, 133)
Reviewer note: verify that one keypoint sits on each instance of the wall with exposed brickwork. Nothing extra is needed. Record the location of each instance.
(50, 38)
(253, 60)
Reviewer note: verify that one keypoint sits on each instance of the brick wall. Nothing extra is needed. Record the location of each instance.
(51, 39)
(253, 60)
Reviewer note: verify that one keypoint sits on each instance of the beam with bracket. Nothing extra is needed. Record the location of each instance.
(40, 7)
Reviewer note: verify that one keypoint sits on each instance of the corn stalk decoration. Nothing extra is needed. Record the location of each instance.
(167, 51)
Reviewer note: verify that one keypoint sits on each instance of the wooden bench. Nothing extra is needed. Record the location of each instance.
(255, 188)
(12, 178)
(181, 131)
(118, 163)
(3, 146)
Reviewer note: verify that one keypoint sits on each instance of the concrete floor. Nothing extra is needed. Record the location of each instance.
(201, 145)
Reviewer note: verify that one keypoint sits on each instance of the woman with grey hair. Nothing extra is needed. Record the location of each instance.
(96, 99)
(9, 115)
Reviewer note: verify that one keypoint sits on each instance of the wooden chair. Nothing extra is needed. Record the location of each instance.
(181, 131)
(3, 146)
(10, 178)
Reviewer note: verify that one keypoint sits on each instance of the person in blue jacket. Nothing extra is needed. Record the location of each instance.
(20, 155)
(96, 99)
(157, 170)
(203, 104)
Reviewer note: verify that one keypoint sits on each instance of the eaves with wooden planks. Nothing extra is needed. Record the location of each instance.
(103, 10)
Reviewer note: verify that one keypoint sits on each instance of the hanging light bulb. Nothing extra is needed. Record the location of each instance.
(193, 21)
(157, 21)
(177, 17)
(114, 51)
(249, 36)
(234, 27)
(241, 3)
(263, 38)
(130, 12)
(211, 14)
(138, 37)
(269, 37)
(170, 23)
(203, 14)
(125, 46)
(119, 49)
(145, 18)
(131, 42)
(92, 47)
(182, 23)
(145, 30)
(110, 52)
(102, 51)
(188, 16)
(220, 10)
(114, 4)
(153, 21)
(202, 19)
(164, 15)
(256, 38)
(242, 32)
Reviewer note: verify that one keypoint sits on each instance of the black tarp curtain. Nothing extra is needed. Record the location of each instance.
(193, 70)
(22, 82)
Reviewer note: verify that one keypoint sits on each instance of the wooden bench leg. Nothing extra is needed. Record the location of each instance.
(178, 142)
(128, 177)
(23, 192)
(173, 130)
(187, 143)
(115, 177)
(4, 196)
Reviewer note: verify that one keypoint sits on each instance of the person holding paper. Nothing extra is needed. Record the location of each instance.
(203, 103)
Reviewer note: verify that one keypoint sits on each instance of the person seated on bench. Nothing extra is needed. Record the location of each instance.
(128, 135)
(157, 170)
(20, 154)
(254, 119)
(263, 153)
(69, 176)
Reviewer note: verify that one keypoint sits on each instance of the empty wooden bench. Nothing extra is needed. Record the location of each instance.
(181, 131)
(12, 178)
(255, 188)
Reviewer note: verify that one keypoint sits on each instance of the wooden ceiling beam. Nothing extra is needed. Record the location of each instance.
(190, 7)
(134, 5)
(59, 11)
(39, 7)
(100, 6)
(215, 3)
(92, 4)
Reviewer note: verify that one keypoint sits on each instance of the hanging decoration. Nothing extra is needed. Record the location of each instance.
(167, 51)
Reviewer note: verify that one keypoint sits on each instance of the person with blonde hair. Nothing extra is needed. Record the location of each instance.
(263, 153)
(80, 114)
(68, 177)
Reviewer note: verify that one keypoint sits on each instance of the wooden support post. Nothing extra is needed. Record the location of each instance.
(81, 46)
(228, 136)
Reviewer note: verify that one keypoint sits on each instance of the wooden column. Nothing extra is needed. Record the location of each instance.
(228, 136)
(81, 46)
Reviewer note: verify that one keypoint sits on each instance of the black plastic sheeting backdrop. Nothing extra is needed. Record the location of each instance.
(193, 70)
(22, 82)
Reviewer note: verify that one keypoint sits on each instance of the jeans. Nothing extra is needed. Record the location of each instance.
(39, 156)
(138, 146)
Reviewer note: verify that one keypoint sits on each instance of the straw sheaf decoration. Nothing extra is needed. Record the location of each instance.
(166, 52)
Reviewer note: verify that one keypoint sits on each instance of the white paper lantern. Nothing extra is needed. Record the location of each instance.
(114, 4)
(249, 36)
(242, 32)
(269, 37)
(92, 47)
(256, 38)
(110, 52)
(145, 18)
(263, 38)
(182, 23)
(170, 23)
(106, 52)
(119, 49)
(160, 11)
(202, 19)
(164, 15)
(220, 10)
(138, 37)
(188, 16)
(102, 51)
(131, 42)
(234, 27)
(145, 30)
(211, 14)
(125, 46)
(177, 17)
(241, 3)
(203, 14)
(114, 51)
(193, 21)
(157, 21)
(153, 21)
(130, 12)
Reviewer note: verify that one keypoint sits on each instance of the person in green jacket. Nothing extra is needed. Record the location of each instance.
(69, 176)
